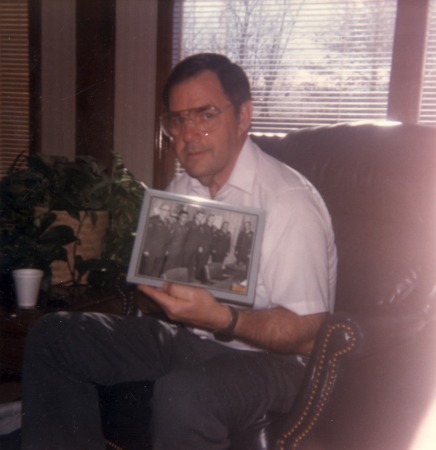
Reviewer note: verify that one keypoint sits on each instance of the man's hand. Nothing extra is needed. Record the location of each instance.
(190, 305)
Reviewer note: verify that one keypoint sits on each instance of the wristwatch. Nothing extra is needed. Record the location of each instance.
(226, 334)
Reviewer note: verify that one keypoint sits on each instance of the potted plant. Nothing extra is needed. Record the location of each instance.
(48, 201)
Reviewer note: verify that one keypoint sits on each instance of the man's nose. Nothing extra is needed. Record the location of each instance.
(190, 131)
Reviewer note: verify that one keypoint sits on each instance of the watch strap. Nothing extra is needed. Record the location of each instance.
(226, 334)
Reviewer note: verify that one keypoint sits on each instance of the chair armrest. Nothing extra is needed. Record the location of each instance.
(126, 294)
(344, 338)
(338, 337)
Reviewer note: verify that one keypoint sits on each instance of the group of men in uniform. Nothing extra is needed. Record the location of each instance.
(190, 243)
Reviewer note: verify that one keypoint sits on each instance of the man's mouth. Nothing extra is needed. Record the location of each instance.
(193, 152)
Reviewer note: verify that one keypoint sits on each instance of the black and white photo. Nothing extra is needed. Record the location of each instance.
(199, 242)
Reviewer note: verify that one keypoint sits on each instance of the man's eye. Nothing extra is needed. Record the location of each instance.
(208, 114)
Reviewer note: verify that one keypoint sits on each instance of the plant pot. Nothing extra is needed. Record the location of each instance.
(90, 234)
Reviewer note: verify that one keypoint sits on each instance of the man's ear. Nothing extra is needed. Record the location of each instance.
(245, 115)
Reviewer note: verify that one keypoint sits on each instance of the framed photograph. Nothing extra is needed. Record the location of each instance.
(199, 242)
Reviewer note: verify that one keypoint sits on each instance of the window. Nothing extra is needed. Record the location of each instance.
(428, 98)
(14, 81)
(309, 62)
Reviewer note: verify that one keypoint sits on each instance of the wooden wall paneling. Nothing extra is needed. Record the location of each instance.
(57, 62)
(135, 81)
(164, 160)
(408, 61)
(95, 66)
(35, 75)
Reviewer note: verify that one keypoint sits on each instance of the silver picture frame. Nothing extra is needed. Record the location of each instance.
(198, 242)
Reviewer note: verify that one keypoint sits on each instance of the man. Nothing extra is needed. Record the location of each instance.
(191, 245)
(224, 367)
(177, 236)
(243, 245)
(221, 242)
(158, 232)
(207, 230)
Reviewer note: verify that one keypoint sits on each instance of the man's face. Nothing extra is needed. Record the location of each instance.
(165, 211)
(210, 158)
(199, 218)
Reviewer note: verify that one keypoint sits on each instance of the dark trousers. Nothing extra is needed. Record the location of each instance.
(203, 391)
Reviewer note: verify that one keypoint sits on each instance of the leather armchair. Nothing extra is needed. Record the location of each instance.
(372, 375)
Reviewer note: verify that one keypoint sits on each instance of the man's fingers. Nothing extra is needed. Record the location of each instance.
(182, 291)
(158, 295)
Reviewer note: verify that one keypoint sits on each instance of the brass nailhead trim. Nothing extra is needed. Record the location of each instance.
(112, 445)
(128, 303)
(330, 382)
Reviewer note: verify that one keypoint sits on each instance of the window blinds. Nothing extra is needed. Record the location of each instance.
(310, 62)
(428, 97)
(14, 81)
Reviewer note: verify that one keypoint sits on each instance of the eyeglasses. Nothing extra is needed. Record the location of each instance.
(205, 119)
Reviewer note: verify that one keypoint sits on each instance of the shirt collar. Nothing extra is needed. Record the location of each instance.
(244, 172)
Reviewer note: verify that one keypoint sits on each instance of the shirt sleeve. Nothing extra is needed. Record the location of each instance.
(295, 262)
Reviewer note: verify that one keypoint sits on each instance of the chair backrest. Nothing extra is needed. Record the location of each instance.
(379, 184)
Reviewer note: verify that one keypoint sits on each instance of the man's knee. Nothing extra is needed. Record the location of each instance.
(48, 328)
(54, 339)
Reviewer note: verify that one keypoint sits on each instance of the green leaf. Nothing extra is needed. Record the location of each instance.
(59, 235)
(53, 253)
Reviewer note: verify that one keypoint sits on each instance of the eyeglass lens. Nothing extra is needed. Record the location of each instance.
(204, 119)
